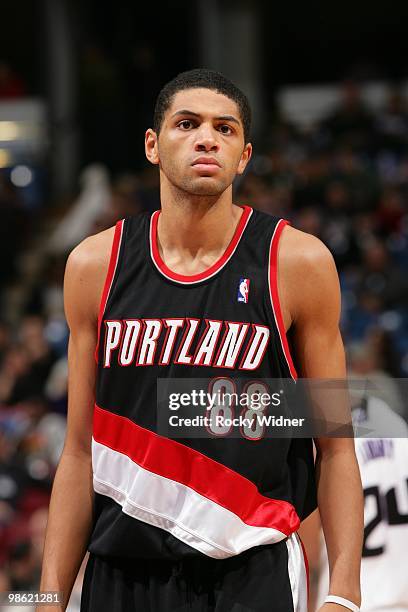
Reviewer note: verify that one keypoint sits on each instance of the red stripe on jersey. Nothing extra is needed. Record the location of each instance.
(180, 463)
(273, 289)
(182, 278)
(113, 261)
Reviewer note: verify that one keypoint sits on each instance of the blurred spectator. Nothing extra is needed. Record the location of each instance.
(91, 204)
(28, 365)
(380, 343)
(4, 339)
(379, 276)
(391, 211)
(22, 567)
(364, 364)
(358, 177)
(309, 220)
(14, 367)
(392, 124)
(338, 230)
(350, 123)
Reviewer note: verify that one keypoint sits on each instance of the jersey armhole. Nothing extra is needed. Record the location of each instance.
(110, 276)
(274, 294)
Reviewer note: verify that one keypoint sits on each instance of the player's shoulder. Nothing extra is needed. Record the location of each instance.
(92, 253)
(306, 263)
(303, 248)
(92, 249)
(308, 275)
(85, 275)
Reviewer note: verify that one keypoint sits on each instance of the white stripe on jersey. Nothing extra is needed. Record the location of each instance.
(297, 573)
(189, 516)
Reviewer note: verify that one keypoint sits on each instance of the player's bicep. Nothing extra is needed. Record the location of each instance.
(317, 339)
(81, 295)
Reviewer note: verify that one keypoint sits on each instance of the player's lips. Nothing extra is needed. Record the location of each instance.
(208, 162)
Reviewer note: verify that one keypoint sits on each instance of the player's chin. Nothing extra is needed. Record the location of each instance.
(207, 186)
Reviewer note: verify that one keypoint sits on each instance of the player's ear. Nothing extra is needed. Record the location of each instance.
(245, 157)
(151, 148)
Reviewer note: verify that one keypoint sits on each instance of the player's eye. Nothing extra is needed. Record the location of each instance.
(186, 124)
(225, 129)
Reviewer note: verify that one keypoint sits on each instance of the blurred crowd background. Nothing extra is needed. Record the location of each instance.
(342, 176)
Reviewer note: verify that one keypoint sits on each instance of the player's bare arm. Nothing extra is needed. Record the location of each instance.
(310, 295)
(70, 514)
(310, 533)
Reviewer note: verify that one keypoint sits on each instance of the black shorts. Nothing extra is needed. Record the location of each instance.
(267, 578)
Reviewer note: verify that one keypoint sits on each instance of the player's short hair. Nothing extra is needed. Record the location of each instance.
(206, 79)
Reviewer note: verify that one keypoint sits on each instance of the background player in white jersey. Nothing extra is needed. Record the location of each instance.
(383, 463)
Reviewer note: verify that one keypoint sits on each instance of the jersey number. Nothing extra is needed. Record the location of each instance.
(386, 509)
(225, 386)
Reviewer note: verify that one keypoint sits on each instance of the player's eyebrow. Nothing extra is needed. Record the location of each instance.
(228, 118)
(185, 111)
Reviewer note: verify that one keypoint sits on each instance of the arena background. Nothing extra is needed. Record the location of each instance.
(329, 87)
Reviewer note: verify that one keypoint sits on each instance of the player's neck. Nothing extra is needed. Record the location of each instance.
(197, 222)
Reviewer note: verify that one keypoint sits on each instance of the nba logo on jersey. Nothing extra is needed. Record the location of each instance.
(243, 290)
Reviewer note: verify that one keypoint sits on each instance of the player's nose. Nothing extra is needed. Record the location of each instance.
(206, 139)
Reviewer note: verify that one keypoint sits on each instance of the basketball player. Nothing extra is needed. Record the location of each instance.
(383, 463)
(201, 523)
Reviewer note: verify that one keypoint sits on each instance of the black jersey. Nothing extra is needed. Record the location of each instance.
(158, 497)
